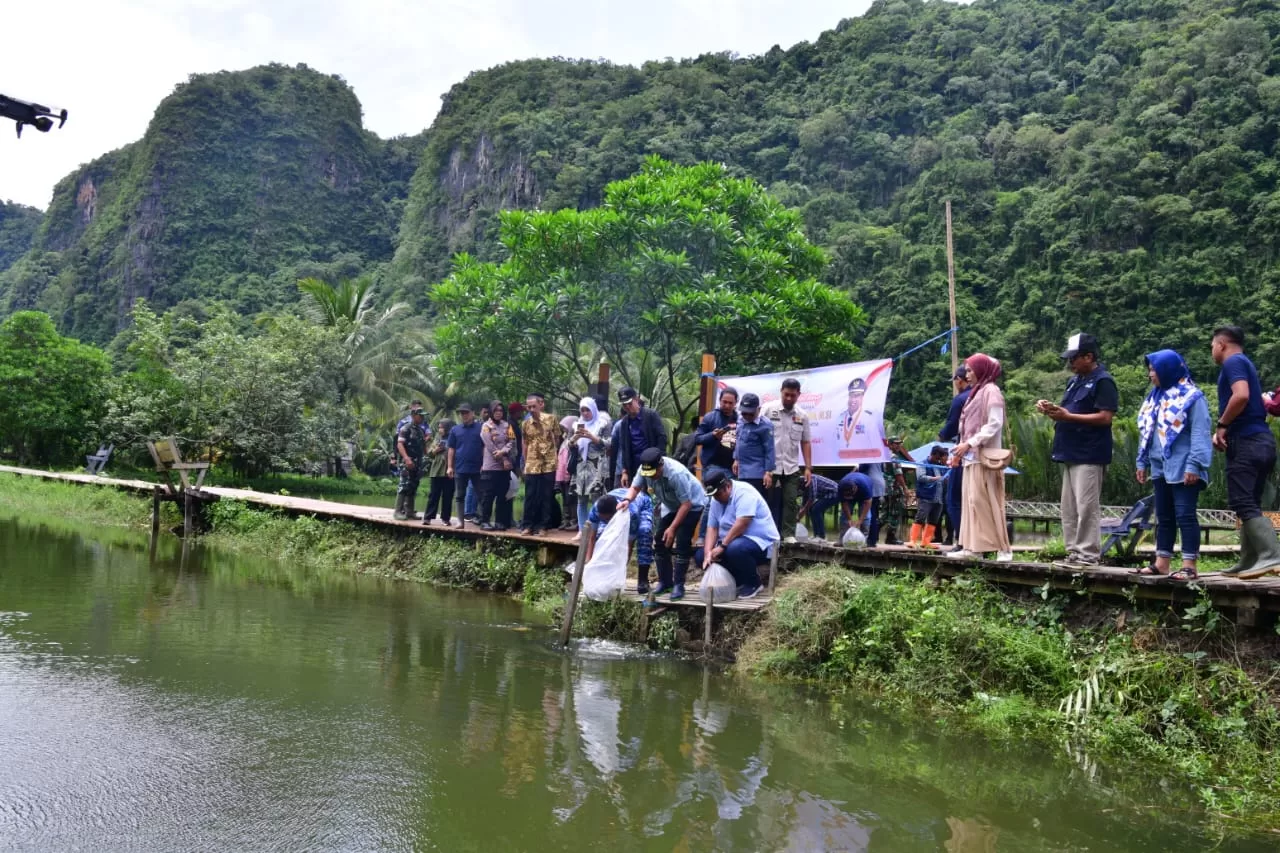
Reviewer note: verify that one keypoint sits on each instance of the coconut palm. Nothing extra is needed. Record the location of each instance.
(376, 370)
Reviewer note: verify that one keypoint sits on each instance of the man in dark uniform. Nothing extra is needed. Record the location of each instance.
(1082, 443)
(410, 448)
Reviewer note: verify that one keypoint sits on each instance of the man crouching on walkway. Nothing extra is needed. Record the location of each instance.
(740, 532)
(679, 501)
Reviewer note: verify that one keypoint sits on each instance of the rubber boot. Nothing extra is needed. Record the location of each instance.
(409, 500)
(642, 580)
(1266, 548)
(664, 575)
(1246, 553)
(682, 569)
(399, 515)
(929, 532)
(916, 530)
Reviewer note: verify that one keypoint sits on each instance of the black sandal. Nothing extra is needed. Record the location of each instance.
(1148, 570)
(1184, 574)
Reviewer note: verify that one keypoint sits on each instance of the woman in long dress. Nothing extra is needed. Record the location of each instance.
(982, 520)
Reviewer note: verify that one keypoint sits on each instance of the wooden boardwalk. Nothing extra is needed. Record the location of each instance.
(1247, 598)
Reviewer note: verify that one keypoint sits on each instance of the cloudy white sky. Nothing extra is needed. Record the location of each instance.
(109, 62)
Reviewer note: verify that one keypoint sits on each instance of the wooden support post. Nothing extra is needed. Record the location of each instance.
(155, 510)
(707, 386)
(710, 620)
(951, 291)
(773, 566)
(602, 386)
(186, 513)
(575, 587)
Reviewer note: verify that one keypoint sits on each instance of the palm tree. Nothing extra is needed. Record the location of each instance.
(377, 370)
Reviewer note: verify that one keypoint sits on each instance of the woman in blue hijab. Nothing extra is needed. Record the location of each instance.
(1174, 451)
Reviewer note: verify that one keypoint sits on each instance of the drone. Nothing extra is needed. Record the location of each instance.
(25, 112)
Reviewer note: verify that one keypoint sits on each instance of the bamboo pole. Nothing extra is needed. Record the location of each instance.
(575, 587)
(602, 385)
(951, 292)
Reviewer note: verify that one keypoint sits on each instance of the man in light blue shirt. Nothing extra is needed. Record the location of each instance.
(740, 532)
(678, 500)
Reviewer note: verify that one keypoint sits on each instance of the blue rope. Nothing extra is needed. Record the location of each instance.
(926, 343)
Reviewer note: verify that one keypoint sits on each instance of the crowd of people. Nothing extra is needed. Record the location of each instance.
(742, 479)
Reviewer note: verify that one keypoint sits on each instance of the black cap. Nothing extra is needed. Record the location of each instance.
(750, 403)
(714, 481)
(465, 407)
(1081, 344)
(962, 372)
(626, 394)
(650, 460)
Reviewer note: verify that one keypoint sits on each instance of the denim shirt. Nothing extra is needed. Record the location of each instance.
(754, 450)
(1191, 451)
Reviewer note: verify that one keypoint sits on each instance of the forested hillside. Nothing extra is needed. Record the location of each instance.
(244, 182)
(17, 229)
(1112, 166)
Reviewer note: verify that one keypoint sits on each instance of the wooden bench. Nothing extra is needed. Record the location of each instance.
(95, 462)
(168, 461)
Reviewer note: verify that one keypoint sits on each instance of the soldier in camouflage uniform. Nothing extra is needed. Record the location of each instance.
(410, 448)
(893, 507)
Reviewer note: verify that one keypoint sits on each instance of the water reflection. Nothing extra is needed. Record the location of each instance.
(210, 702)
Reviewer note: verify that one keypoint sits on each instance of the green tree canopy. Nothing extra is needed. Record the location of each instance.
(52, 390)
(678, 260)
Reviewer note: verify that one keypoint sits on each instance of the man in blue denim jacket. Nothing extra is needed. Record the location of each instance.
(753, 458)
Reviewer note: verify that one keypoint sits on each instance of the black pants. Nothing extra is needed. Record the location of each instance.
(682, 547)
(539, 492)
(439, 499)
(493, 489)
(1250, 461)
(758, 485)
(460, 483)
(873, 529)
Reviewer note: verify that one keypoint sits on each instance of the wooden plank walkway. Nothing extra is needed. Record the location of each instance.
(558, 547)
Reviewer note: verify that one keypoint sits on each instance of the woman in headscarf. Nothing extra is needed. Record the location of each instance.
(1175, 448)
(564, 477)
(499, 439)
(590, 439)
(983, 526)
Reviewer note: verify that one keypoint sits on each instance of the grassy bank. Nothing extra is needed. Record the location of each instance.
(1181, 694)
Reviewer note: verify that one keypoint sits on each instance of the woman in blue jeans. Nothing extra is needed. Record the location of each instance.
(1175, 447)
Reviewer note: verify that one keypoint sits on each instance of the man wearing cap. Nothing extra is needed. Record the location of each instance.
(410, 447)
(717, 434)
(466, 455)
(753, 453)
(679, 501)
(847, 426)
(740, 532)
(950, 433)
(639, 429)
(641, 533)
(1082, 443)
(793, 455)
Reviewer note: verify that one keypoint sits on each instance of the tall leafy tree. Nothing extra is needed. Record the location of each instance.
(677, 260)
(52, 390)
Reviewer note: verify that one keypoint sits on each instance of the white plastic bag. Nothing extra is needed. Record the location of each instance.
(513, 488)
(854, 538)
(802, 533)
(606, 574)
(718, 580)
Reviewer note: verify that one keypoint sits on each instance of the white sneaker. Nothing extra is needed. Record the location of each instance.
(1004, 557)
(790, 540)
(963, 555)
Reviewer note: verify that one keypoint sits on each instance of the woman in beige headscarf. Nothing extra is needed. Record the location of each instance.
(982, 520)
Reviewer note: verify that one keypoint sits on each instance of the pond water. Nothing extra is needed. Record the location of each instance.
(221, 703)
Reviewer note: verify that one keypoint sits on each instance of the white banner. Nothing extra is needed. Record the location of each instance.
(845, 404)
